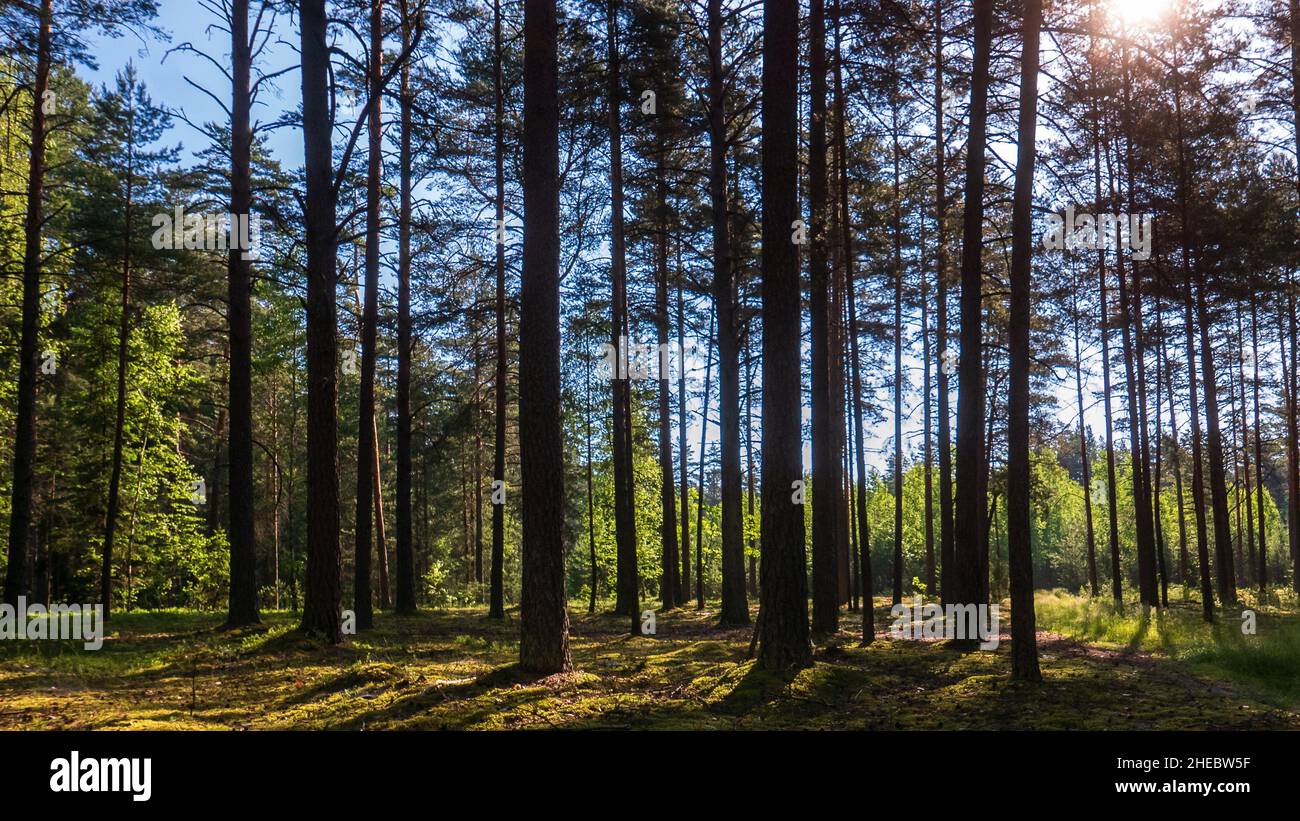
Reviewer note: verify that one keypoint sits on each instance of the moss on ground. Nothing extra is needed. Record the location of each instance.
(456, 670)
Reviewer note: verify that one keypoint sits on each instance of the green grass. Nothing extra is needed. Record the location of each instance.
(1268, 660)
(456, 669)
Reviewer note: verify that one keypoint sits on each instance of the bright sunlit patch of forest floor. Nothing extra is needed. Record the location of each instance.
(455, 670)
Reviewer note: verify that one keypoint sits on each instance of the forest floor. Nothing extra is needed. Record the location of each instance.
(455, 670)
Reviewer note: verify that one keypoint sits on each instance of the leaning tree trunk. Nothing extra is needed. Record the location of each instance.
(783, 597)
(323, 589)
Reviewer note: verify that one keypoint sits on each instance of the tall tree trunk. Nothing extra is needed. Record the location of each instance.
(1293, 427)
(496, 582)
(323, 589)
(1112, 501)
(752, 583)
(867, 582)
(243, 546)
(1261, 575)
(825, 460)
(362, 601)
(1243, 482)
(1135, 366)
(1227, 585)
(20, 506)
(405, 603)
(898, 358)
(627, 585)
(1085, 456)
(667, 496)
(1185, 240)
(543, 615)
(684, 581)
(735, 605)
(699, 502)
(927, 459)
(123, 342)
(1020, 561)
(946, 536)
(591, 501)
(971, 483)
(783, 599)
(1176, 453)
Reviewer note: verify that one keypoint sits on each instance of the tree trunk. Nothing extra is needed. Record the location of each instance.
(1261, 575)
(684, 580)
(735, 605)
(243, 546)
(1020, 561)
(366, 432)
(699, 502)
(496, 582)
(20, 507)
(405, 603)
(119, 424)
(941, 310)
(825, 461)
(323, 589)
(1227, 585)
(971, 487)
(866, 579)
(627, 585)
(667, 496)
(1198, 484)
(543, 615)
(783, 597)
(1084, 454)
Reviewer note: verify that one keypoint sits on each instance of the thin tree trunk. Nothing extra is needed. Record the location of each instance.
(123, 341)
(627, 586)
(243, 546)
(825, 462)
(1262, 575)
(362, 601)
(668, 509)
(496, 582)
(699, 502)
(1084, 454)
(405, 603)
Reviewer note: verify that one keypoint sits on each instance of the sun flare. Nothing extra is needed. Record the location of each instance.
(1139, 12)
